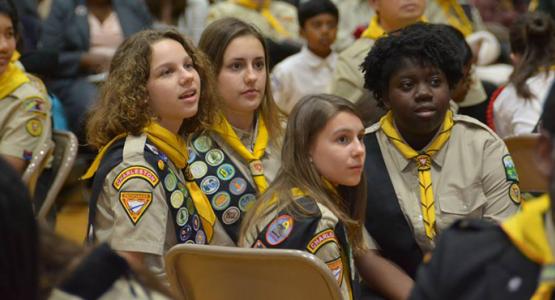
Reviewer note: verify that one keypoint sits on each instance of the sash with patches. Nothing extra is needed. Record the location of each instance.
(290, 231)
(229, 192)
(385, 221)
(187, 223)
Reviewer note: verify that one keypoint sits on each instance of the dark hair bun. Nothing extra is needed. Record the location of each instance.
(539, 27)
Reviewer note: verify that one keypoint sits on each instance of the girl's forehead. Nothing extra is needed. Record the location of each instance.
(412, 63)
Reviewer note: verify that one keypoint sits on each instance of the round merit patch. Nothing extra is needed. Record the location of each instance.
(182, 216)
(231, 215)
(185, 233)
(279, 230)
(209, 185)
(196, 223)
(237, 186)
(198, 169)
(246, 201)
(221, 201)
(215, 157)
(34, 127)
(203, 143)
(176, 199)
(225, 172)
(200, 238)
(170, 182)
(514, 193)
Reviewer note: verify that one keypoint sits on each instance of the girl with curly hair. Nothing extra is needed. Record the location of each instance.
(157, 95)
(235, 159)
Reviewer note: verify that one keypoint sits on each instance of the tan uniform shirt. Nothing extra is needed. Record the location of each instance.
(152, 232)
(435, 14)
(284, 12)
(328, 250)
(352, 15)
(123, 288)
(469, 178)
(25, 121)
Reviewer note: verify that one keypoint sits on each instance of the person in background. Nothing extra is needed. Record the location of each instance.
(25, 125)
(235, 159)
(427, 167)
(159, 92)
(86, 34)
(309, 71)
(480, 260)
(517, 108)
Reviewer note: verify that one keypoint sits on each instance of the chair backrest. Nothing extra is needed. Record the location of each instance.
(216, 272)
(522, 149)
(64, 158)
(36, 165)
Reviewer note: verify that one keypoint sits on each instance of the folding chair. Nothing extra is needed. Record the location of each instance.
(523, 151)
(36, 165)
(64, 157)
(214, 272)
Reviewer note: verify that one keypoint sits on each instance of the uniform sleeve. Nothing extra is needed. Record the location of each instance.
(27, 128)
(500, 181)
(347, 80)
(140, 211)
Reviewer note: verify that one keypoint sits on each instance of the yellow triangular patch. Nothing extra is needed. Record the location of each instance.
(135, 204)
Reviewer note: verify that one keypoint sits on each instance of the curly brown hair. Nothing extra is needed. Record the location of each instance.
(123, 105)
(214, 41)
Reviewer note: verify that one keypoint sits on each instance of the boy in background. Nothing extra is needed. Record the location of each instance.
(310, 71)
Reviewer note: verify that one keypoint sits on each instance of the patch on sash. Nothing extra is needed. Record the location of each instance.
(258, 244)
(135, 172)
(198, 169)
(135, 204)
(210, 184)
(336, 268)
(200, 238)
(246, 202)
(214, 157)
(34, 105)
(34, 127)
(177, 198)
(279, 230)
(221, 201)
(320, 239)
(225, 172)
(237, 186)
(256, 167)
(514, 193)
(202, 143)
(182, 216)
(231, 215)
(510, 170)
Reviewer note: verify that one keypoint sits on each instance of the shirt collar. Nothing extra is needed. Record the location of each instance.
(315, 61)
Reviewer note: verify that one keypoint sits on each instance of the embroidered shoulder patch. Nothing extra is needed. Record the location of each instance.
(514, 193)
(135, 172)
(320, 239)
(34, 105)
(135, 204)
(336, 268)
(34, 127)
(510, 169)
(279, 230)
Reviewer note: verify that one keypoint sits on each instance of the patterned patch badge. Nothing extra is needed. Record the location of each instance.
(279, 230)
(237, 186)
(185, 233)
(203, 143)
(336, 268)
(510, 169)
(135, 204)
(225, 172)
(246, 201)
(209, 185)
(34, 127)
(190, 206)
(135, 172)
(176, 199)
(215, 157)
(320, 239)
(221, 201)
(196, 223)
(170, 182)
(182, 216)
(231, 215)
(200, 238)
(514, 193)
(198, 169)
(161, 164)
(34, 105)
(259, 244)
(256, 167)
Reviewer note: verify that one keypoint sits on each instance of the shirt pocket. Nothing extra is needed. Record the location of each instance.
(461, 203)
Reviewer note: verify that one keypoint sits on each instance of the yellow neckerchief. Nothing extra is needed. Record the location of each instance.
(12, 78)
(423, 161)
(458, 18)
(224, 130)
(176, 150)
(375, 31)
(533, 6)
(266, 13)
(526, 230)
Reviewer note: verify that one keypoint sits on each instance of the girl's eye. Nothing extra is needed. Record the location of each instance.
(235, 66)
(343, 139)
(189, 66)
(166, 72)
(259, 65)
(405, 85)
(435, 81)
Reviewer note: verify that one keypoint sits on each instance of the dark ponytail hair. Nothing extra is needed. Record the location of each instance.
(532, 37)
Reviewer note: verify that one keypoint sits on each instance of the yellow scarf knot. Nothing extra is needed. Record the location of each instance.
(266, 13)
(375, 31)
(423, 161)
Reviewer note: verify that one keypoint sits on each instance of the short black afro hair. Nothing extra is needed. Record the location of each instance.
(421, 43)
